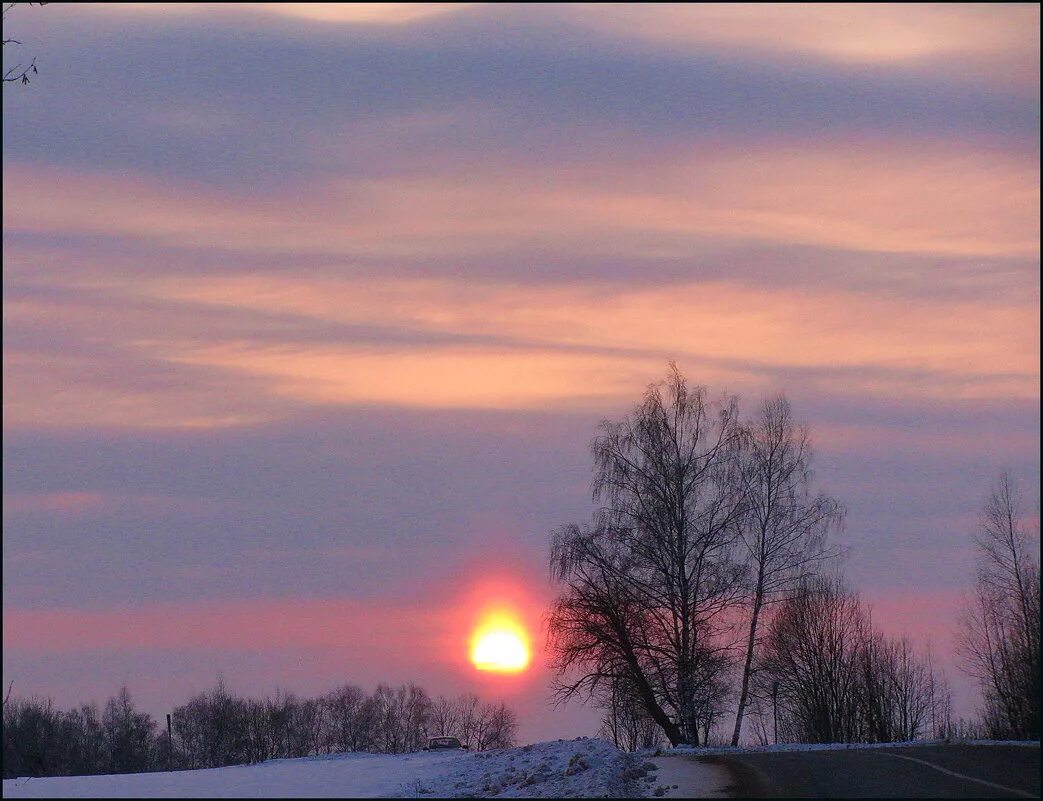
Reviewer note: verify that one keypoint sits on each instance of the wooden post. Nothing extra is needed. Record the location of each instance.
(170, 746)
(775, 709)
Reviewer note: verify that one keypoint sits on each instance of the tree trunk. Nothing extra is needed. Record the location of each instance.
(747, 668)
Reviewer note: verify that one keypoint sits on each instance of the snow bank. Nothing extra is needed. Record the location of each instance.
(689, 750)
(686, 777)
(562, 769)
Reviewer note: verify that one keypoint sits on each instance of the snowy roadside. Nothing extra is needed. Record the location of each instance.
(561, 769)
(685, 777)
(723, 750)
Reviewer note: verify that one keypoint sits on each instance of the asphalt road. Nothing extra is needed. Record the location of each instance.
(936, 771)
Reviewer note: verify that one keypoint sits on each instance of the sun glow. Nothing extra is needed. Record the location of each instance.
(500, 643)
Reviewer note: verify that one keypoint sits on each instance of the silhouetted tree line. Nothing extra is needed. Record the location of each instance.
(830, 677)
(41, 740)
(706, 584)
(217, 728)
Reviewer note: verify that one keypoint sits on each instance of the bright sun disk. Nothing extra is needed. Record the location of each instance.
(500, 644)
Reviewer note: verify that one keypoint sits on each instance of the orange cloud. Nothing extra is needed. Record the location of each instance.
(713, 320)
(384, 13)
(957, 203)
(352, 13)
(1002, 40)
(523, 347)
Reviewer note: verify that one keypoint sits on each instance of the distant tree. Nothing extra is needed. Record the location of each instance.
(468, 716)
(305, 729)
(86, 740)
(812, 658)
(478, 726)
(416, 716)
(281, 711)
(999, 640)
(647, 587)
(128, 734)
(403, 715)
(786, 527)
(497, 727)
(213, 729)
(32, 737)
(835, 679)
(895, 690)
(217, 728)
(942, 726)
(444, 717)
(626, 722)
(352, 718)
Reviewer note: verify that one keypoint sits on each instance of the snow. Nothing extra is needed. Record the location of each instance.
(688, 750)
(684, 777)
(362, 775)
(561, 769)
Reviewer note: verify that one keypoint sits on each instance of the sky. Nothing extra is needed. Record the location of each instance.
(311, 312)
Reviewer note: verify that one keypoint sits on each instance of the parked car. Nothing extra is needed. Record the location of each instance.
(443, 743)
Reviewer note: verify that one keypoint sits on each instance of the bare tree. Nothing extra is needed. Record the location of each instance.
(811, 660)
(895, 690)
(403, 716)
(786, 527)
(128, 735)
(445, 717)
(416, 716)
(351, 716)
(835, 678)
(626, 722)
(999, 641)
(216, 728)
(497, 727)
(648, 586)
(468, 719)
(20, 72)
(941, 702)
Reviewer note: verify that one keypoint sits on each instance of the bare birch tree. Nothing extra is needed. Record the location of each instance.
(647, 587)
(786, 528)
(999, 641)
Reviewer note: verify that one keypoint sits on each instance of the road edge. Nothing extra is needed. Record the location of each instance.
(747, 781)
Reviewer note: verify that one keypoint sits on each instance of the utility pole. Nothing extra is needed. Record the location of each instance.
(775, 709)
(170, 746)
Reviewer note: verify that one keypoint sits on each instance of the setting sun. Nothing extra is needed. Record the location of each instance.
(500, 644)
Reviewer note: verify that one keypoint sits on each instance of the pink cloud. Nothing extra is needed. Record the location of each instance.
(431, 627)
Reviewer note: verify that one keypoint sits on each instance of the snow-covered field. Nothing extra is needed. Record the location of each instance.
(565, 768)
(560, 769)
